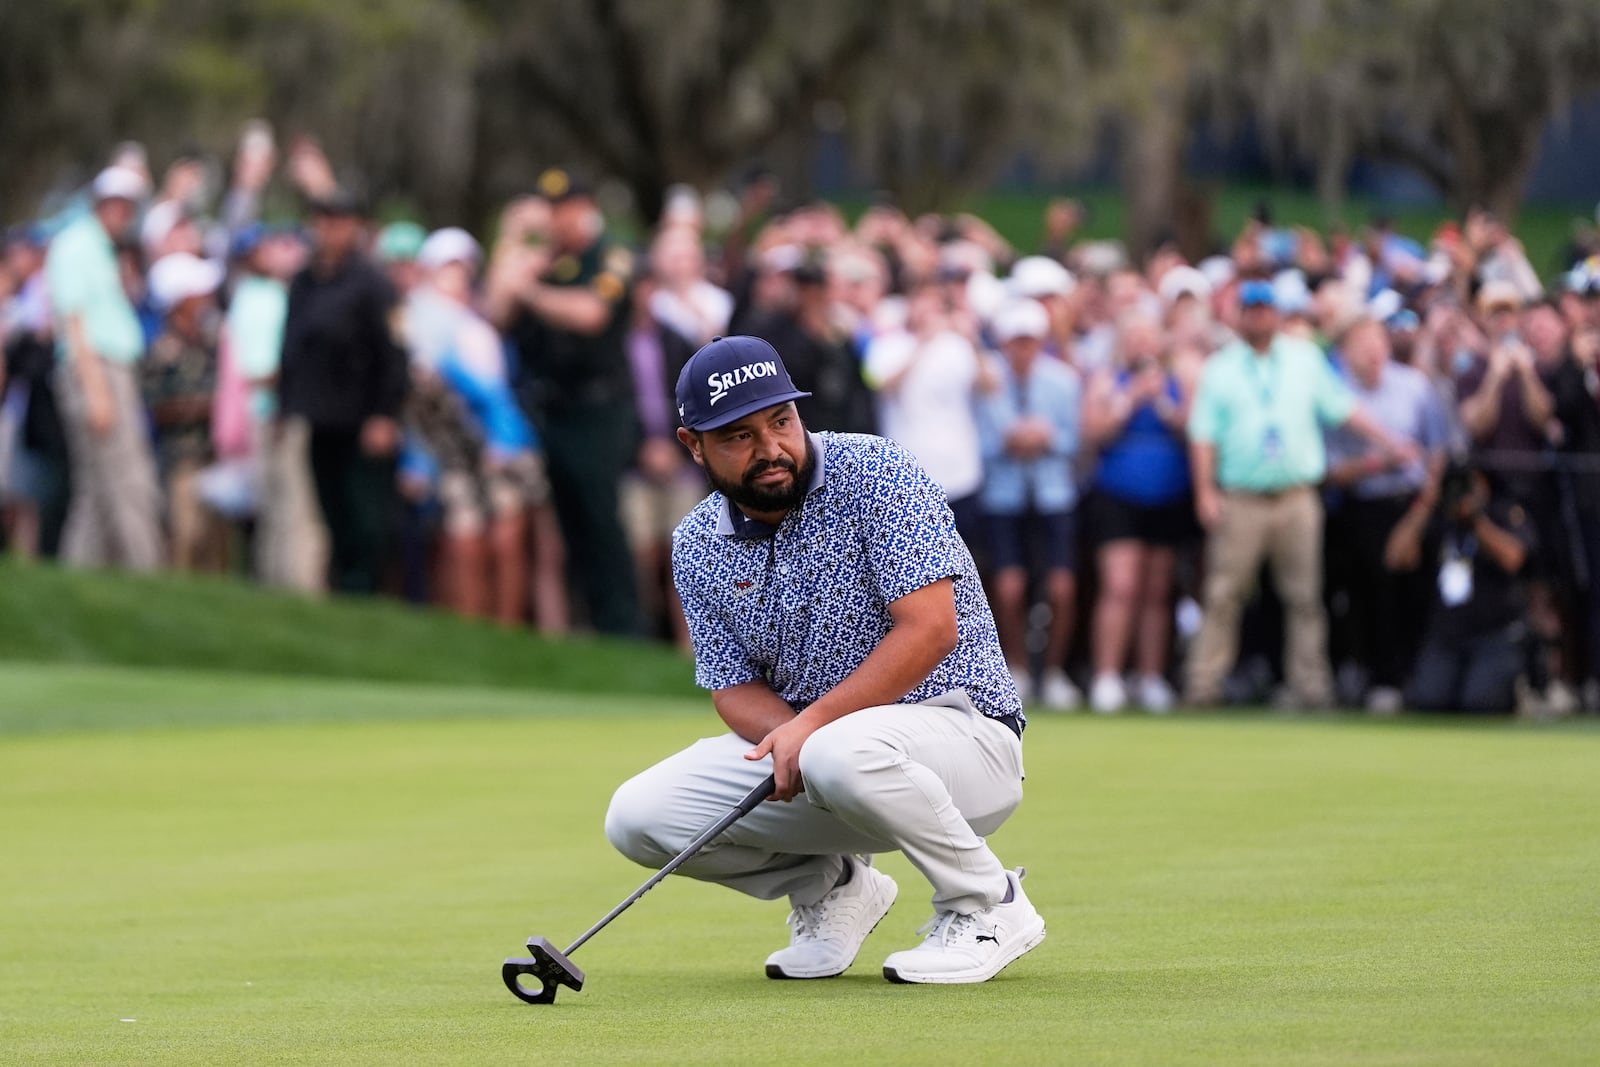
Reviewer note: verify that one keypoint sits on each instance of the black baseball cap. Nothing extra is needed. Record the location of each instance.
(339, 202)
(730, 378)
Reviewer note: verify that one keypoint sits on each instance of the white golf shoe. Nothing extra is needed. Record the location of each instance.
(1057, 692)
(971, 948)
(824, 937)
(1155, 695)
(1108, 696)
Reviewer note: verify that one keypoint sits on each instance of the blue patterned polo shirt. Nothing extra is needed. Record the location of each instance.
(800, 606)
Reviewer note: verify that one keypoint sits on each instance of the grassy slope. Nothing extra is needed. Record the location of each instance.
(52, 615)
(1219, 890)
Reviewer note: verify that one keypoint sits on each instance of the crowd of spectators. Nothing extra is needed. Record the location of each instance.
(1359, 469)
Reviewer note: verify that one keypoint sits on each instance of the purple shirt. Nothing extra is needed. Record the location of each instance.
(647, 362)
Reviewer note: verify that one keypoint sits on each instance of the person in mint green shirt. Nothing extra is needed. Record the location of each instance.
(290, 542)
(115, 509)
(268, 259)
(1256, 448)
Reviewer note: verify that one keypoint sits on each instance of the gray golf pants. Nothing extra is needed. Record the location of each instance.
(929, 780)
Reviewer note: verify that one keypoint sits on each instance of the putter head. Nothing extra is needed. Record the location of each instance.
(548, 965)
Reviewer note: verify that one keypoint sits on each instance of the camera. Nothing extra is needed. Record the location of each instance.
(1457, 484)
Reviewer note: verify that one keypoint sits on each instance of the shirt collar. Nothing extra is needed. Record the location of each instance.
(736, 524)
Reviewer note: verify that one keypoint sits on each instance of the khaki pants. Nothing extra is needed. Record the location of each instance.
(193, 529)
(291, 544)
(115, 513)
(930, 780)
(1285, 530)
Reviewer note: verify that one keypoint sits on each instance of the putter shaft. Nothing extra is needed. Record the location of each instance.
(751, 801)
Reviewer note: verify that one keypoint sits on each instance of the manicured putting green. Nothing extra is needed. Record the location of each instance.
(249, 885)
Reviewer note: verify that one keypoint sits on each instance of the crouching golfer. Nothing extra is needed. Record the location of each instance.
(839, 623)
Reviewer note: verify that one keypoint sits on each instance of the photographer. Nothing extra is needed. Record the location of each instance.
(1472, 647)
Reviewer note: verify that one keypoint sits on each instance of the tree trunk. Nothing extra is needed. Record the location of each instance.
(1154, 134)
(1494, 153)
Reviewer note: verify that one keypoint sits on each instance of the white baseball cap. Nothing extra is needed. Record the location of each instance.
(1292, 292)
(1219, 271)
(449, 245)
(120, 183)
(177, 277)
(780, 259)
(1040, 276)
(1020, 318)
(1184, 281)
(986, 294)
(1384, 304)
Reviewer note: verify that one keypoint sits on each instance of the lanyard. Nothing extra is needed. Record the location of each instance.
(1267, 381)
(1461, 547)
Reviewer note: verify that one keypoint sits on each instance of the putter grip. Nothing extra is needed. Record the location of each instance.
(754, 798)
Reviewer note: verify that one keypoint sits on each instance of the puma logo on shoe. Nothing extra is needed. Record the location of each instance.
(961, 948)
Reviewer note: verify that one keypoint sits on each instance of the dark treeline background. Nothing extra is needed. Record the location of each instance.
(452, 104)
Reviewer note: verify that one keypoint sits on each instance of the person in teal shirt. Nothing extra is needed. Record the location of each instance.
(114, 514)
(1256, 449)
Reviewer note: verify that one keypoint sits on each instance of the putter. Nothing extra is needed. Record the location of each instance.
(553, 968)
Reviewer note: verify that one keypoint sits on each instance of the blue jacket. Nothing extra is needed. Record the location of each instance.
(1010, 485)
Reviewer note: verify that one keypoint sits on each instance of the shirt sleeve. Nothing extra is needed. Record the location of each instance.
(907, 529)
(720, 659)
(1435, 420)
(886, 357)
(390, 364)
(1335, 402)
(1471, 380)
(1068, 416)
(994, 412)
(65, 278)
(1205, 416)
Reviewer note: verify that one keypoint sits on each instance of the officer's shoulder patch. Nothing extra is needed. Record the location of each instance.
(619, 261)
(565, 269)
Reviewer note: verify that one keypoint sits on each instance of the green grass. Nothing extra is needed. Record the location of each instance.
(263, 870)
(48, 614)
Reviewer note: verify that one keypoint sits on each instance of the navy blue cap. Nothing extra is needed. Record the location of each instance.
(31, 234)
(1404, 319)
(730, 378)
(1256, 294)
(247, 240)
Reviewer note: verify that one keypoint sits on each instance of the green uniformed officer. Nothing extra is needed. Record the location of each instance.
(567, 312)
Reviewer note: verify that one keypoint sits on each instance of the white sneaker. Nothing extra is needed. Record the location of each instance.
(1057, 692)
(1384, 701)
(1024, 682)
(825, 937)
(971, 948)
(1108, 695)
(1155, 695)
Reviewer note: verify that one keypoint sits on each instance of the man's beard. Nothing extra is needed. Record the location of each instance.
(758, 498)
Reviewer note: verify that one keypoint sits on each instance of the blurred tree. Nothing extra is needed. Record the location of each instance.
(959, 90)
(1460, 90)
(385, 83)
(455, 104)
(652, 93)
